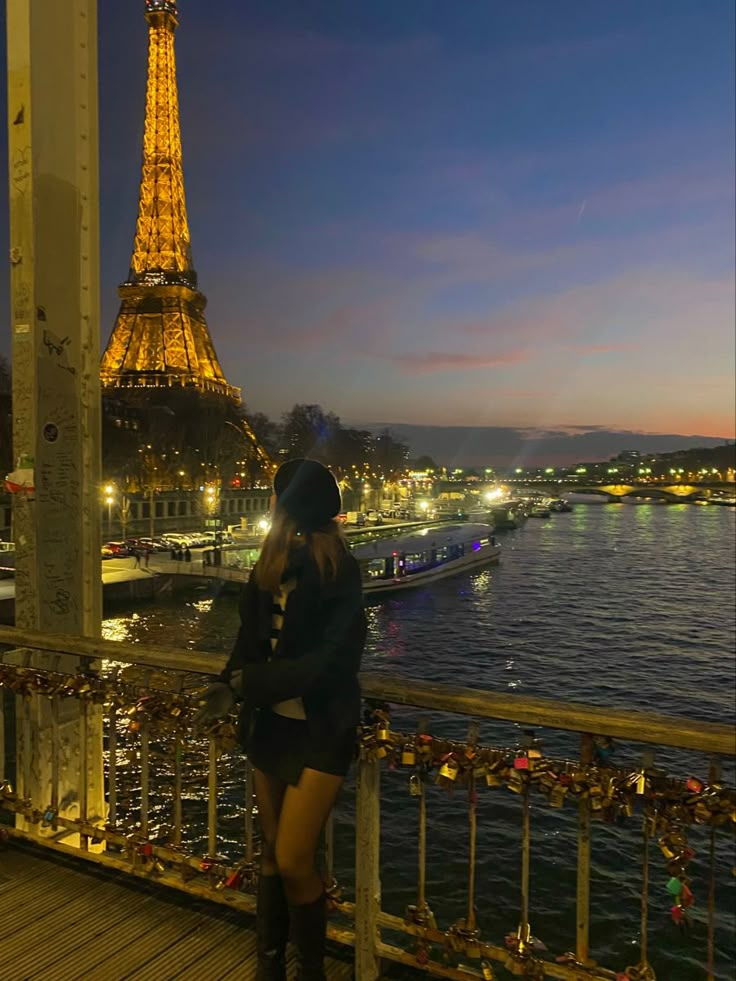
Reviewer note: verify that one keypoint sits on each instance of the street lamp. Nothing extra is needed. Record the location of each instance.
(109, 500)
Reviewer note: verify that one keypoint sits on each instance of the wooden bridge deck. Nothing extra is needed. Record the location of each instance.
(62, 920)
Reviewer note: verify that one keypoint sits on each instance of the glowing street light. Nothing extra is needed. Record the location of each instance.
(109, 500)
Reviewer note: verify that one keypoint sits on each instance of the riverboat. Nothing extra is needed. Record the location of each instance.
(508, 516)
(425, 556)
(560, 506)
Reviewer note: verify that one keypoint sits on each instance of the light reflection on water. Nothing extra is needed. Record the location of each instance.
(610, 605)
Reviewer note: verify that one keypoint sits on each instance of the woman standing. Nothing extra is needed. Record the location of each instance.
(295, 667)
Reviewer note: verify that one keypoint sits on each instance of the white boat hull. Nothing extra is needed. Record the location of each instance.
(490, 553)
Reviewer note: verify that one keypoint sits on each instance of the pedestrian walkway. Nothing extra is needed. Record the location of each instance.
(64, 920)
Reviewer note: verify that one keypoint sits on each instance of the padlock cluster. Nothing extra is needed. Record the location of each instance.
(167, 712)
(612, 793)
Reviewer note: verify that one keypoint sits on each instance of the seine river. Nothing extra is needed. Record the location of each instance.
(614, 605)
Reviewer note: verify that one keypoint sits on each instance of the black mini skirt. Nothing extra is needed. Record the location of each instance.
(283, 747)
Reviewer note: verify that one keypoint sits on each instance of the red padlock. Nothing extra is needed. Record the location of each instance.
(234, 880)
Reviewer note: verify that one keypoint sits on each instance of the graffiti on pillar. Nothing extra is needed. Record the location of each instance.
(20, 169)
(58, 488)
(57, 347)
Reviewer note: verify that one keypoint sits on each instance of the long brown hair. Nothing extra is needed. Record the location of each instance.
(325, 545)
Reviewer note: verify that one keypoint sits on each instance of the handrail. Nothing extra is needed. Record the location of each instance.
(641, 727)
(135, 733)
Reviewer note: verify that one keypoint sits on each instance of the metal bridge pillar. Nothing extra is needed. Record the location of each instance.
(54, 283)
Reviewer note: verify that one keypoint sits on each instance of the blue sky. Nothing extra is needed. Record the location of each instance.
(451, 213)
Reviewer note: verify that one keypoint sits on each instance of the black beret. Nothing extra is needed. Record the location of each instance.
(307, 492)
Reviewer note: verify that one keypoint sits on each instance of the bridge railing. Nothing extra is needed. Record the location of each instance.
(180, 809)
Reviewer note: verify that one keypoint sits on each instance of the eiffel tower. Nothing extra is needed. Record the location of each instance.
(161, 338)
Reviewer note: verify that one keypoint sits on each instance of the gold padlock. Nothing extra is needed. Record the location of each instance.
(557, 796)
(449, 770)
(516, 781)
(408, 755)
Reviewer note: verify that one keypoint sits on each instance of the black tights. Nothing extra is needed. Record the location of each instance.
(292, 820)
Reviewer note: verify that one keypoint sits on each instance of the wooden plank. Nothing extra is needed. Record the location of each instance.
(132, 958)
(200, 945)
(235, 960)
(32, 934)
(147, 917)
(44, 894)
(149, 937)
(47, 962)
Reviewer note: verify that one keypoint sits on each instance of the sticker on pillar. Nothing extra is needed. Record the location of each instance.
(21, 480)
(51, 432)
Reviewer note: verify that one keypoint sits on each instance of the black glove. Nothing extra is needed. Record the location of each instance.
(216, 702)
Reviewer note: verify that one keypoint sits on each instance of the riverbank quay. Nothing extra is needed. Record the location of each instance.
(130, 580)
(163, 782)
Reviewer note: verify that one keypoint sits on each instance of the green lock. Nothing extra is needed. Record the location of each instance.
(674, 886)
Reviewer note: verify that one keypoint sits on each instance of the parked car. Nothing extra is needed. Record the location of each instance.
(117, 550)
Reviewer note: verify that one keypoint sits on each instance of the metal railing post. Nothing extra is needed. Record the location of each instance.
(367, 870)
(582, 919)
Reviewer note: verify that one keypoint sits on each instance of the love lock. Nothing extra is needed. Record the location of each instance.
(640, 972)
(420, 916)
(333, 893)
(49, 816)
(422, 954)
(462, 940)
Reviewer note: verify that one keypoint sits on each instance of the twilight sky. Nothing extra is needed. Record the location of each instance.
(449, 213)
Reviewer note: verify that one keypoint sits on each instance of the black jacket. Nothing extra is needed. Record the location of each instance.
(319, 649)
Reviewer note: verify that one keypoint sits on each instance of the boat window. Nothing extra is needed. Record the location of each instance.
(417, 560)
(376, 568)
(456, 551)
(441, 554)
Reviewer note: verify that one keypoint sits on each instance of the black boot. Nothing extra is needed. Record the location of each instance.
(272, 928)
(308, 930)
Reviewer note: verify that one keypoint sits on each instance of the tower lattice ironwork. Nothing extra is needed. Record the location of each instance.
(161, 338)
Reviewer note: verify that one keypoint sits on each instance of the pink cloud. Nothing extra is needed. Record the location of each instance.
(437, 361)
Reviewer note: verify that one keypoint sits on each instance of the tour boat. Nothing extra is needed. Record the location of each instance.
(560, 506)
(424, 556)
(508, 516)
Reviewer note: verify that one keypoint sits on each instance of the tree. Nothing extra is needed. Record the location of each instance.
(348, 451)
(265, 430)
(424, 464)
(307, 431)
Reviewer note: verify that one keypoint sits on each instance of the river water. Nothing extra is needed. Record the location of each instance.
(614, 605)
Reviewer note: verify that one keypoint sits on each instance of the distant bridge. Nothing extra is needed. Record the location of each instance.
(617, 491)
